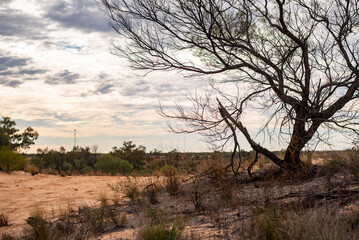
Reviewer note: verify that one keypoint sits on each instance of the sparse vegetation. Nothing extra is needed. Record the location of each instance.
(162, 231)
(129, 188)
(4, 221)
(172, 181)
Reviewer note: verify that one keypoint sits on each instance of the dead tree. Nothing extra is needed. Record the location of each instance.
(299, 59)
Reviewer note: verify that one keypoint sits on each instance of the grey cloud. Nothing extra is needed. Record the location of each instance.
(10, 83)
(105, 88)
(9, 62)
(19, 24)
(63, 77)
(32, 71)
(139, 87)
(6, 73)
(81, 14)
(13, 69)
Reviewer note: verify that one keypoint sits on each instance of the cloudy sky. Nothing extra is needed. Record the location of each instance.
(57, 74)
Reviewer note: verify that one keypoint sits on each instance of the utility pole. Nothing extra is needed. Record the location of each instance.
(74, 138)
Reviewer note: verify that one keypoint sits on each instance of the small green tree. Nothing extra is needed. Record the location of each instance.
(134, 155)
(10, 137)
(11, 161)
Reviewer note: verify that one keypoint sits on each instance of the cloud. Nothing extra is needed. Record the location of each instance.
(137, 88)
(10, 62)
(32, 71)
(15, 70)
(10, 83)
(84, 15)
(105, 88)
(63, 77)
(19, 24)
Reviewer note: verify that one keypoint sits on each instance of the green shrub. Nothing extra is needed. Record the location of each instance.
(125, 166)
(67, 166)
(11, 161)
(37, 161)
(168, 170)
(109, 164)
(162, 231)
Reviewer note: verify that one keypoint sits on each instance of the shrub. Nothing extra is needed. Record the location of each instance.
(196, 196)
(66, 166)
(3, 220)
(32, 169)
(11, 161)
(162, 231)
(125, 166)
(109, 164)
(37, 161)
(129, 188)
(172, 181)
(7, 236)
(275, 222)
(151, 192)
(168, 170)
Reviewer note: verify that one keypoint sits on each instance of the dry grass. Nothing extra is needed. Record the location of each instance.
(4, 221)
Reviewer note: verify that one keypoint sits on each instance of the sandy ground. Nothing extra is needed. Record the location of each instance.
(20, 193)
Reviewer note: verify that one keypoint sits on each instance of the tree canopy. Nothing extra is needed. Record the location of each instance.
(297, 60)
(10, 136)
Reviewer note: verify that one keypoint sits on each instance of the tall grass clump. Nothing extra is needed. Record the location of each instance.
(162, 231)
(172, 181)
(4, 221)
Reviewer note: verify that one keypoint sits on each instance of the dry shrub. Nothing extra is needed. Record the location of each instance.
(4, 221)
(7, 236)
(115, 199)
(172, 181)
(129, 188)
(39, 227)
(162, 231)
(223, 181)
(32, 169)
(353, 162)
(151, 192)
(160, 226)
(103, 199)
(119, 219)
(322, 223)
(196, 196)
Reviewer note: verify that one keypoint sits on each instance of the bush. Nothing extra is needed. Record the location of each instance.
(11, 161)
(32, 169)
(173, 184)
(130, 190)
(125, 166)
(3, 220)
(109, 164)
(37, 161)
(162, 231)
(168, 170)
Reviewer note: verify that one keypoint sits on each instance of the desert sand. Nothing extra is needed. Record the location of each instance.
(20, 193)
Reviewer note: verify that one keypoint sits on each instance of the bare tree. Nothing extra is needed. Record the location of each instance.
(298, 58)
